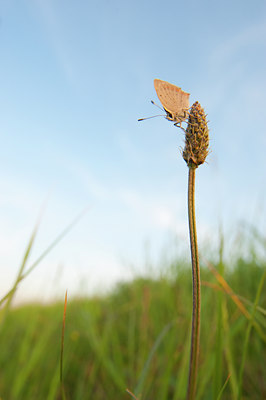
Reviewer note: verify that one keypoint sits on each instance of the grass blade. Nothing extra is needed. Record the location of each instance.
(150, 357)
(62, 351)
(250, 324)
(236, 300)
(9, 296)
(22, 275)
(224, 386)
(217, 379)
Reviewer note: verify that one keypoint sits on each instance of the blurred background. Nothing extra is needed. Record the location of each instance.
(74, 79)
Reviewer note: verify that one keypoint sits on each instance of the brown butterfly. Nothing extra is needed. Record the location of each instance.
(174, 101)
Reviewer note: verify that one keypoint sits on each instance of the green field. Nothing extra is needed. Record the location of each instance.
(138, 336)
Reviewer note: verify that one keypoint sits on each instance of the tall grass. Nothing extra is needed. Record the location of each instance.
(138, 337)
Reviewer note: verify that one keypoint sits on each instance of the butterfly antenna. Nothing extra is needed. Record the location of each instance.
(159, 115)
(152, 102)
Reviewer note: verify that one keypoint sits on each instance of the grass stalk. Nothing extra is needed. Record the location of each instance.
(194, 154)
(195, 330)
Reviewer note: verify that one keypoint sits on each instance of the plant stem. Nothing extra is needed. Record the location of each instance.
(195, 331)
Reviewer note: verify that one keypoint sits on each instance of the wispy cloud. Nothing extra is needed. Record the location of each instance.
(57, 37)
(248, 37)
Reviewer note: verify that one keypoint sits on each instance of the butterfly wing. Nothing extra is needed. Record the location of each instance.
(174, 100)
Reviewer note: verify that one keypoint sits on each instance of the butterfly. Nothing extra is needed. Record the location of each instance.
(174, 100)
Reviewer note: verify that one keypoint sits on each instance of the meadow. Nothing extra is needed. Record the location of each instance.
(137, 337)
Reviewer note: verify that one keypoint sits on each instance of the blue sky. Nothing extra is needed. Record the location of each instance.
(74, 79)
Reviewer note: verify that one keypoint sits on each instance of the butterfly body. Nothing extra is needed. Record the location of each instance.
(174, 100)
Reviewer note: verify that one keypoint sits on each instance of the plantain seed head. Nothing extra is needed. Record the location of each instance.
(197, 137)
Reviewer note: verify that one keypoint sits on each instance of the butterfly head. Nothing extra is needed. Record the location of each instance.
(177, 117)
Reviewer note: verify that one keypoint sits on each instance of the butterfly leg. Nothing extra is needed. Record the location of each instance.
(179, 125)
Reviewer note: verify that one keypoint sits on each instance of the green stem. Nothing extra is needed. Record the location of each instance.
(195, 332)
